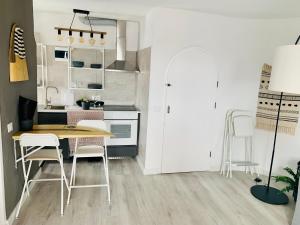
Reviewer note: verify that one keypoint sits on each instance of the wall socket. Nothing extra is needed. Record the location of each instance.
(10, 127)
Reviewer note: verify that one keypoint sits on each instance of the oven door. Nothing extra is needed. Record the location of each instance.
(124, 132)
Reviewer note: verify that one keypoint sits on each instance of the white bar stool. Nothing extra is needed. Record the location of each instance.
(33, 145)
(90, 151)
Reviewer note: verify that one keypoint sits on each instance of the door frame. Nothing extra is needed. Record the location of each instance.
(3, 219)
(165, 107)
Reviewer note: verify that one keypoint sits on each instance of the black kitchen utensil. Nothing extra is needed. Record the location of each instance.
(95, 86)
(96, 66)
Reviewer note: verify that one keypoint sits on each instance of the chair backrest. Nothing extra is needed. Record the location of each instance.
(31, 140)
(96, 124)
(243, 126)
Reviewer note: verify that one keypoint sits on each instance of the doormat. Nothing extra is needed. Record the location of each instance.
(268, 103)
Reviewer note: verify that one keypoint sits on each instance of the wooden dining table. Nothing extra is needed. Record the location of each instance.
(62, 132)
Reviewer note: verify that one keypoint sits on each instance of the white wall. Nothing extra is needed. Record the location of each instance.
(240, 48)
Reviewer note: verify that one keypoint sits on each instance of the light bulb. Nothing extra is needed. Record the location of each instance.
(92, 41)
(81, 39)
(71, 39)
(59, 37)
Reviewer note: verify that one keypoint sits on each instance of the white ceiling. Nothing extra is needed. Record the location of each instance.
(235, 8)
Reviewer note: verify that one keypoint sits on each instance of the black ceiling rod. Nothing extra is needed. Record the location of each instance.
(79, 11)
(298, 39)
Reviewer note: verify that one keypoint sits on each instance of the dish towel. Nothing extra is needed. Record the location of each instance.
(267, 107)
(74, 117)
(17, 56)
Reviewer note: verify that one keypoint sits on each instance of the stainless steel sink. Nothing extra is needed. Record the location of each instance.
(57, 107)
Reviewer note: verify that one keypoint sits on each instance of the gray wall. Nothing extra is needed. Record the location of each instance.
(142, 98)
(20, 12)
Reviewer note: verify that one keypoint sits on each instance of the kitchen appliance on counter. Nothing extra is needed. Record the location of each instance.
(122, 121)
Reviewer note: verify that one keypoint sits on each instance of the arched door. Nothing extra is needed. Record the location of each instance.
(190, 109)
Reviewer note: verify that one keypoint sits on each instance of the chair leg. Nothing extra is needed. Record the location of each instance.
(62, 180)
(105, 164)
(74, 174)
(71, 179)
(62, 191)
(23, 190)
(27, 175)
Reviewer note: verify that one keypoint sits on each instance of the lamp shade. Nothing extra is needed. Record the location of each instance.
(285, 76)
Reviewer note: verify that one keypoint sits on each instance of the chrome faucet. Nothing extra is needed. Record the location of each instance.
(48, 101)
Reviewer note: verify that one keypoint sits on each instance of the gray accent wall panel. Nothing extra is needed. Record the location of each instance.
(20, 12)
(142, 98)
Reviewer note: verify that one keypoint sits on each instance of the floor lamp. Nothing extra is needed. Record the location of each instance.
(285, 77)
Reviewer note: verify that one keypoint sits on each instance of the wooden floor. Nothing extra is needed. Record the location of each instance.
(200, 198)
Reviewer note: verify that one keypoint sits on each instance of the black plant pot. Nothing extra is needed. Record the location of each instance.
(295, 195)
(295, 192)
(85, 105)
(26, 125)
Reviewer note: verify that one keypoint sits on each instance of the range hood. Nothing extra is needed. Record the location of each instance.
(122, 64)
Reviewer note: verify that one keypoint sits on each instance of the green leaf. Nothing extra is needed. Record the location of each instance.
(290, 171)
(287, 189)
(284, 179)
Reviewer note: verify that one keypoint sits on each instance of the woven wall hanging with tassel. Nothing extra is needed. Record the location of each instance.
(267, 107)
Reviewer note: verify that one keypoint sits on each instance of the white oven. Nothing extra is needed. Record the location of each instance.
(123, 125)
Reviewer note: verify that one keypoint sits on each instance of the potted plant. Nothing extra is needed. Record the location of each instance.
(292, 181)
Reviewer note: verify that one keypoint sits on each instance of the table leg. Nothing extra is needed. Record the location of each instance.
(15, 153)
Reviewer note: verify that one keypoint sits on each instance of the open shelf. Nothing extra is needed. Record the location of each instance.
(86, 68)
(86, 89)
(80, 77)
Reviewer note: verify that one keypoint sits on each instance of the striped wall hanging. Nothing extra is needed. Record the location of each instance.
(17, 55)
(267, 107)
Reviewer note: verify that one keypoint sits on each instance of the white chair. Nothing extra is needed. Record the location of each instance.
(238, 125)
(90, 151)
(33, 145)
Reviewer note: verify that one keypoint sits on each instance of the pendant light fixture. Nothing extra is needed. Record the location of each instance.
(102, 41)
(70, 38)
(59, 37)
(70, 30)
(92, 40)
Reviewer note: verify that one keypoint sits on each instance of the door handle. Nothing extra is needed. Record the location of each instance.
(168, 109)
(168, 85)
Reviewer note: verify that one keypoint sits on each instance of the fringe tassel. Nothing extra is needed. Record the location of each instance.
(281, 129)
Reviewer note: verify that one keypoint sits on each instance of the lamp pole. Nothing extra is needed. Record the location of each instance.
(274, 144)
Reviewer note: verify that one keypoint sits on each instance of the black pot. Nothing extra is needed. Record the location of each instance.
(85, 105)
(99, 103)
(295, 192)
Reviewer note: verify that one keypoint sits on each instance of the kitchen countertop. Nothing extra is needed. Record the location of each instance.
(126, 108)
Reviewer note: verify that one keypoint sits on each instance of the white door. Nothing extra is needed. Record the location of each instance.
(190, 109)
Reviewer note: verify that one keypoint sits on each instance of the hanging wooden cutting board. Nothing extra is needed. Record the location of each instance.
(17, 58)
